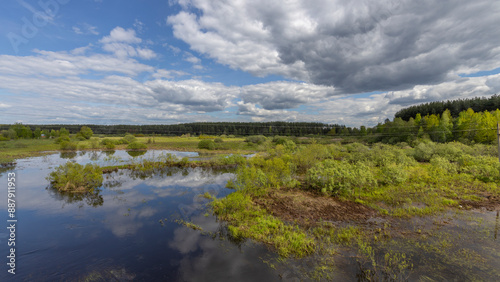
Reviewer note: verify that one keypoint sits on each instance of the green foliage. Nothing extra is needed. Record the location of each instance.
(340, 177)
(206, 144)
(21, 131)
(129, 138)
(307, 156)
(63, 132)
(218, 140)
(107, 141)
(257, 139)
(137, 146)
(73, 177)
(65, 145)
(109, 146)
(86, 132)
(63, 138)
(484, 168)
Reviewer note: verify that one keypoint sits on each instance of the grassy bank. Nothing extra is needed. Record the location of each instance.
(298, 199)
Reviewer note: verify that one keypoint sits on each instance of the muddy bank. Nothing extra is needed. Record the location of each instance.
(488, 202)
(307, 208)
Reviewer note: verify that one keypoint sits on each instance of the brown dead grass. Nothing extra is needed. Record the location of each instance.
(307, 208)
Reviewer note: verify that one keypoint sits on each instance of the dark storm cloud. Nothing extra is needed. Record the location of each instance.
(356, 46)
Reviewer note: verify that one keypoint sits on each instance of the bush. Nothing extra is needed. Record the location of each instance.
(279, 140)
(110, 146)
(65, 145)
(107, 141)
(94, 143)
(137, 146)
(129, 138)
(257, 139)
(309, 155)
(394, 174)
(64, 138)
(483, 168)
(339, 177)
(206, 144)
(442, 166)
(75, 177)
(218, 140)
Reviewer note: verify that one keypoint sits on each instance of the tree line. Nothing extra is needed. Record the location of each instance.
(199, 128)
(477, 104)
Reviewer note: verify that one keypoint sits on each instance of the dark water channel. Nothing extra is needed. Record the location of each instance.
(126, 231)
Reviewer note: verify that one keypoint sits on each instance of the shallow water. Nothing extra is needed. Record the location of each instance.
(126, 230)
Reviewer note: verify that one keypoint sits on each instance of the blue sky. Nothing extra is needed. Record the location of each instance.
(174, 61)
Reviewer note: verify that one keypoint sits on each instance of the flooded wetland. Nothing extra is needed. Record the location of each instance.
(172, 223)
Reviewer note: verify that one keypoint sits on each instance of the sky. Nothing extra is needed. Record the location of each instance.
(348, 62)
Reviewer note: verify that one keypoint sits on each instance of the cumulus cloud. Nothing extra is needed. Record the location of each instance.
(356, 46)
(194, 94)
(284, 95)
(122, 43)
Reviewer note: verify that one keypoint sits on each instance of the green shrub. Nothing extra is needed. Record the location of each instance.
(94, 143)
(394, 174)
(129, 138)
(257, 139)
(423, 152)
(483, 168)
(218, 140)
(137, 146)
(442, 166)
(65, 145)
(206, 144)
(110, 146)
(107, 141)
(279, 140)
(64, 138)
(308, 156)
(339, 177)
(73, 177)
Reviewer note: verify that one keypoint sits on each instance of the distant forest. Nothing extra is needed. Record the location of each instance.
(454, 106)
(206, 128)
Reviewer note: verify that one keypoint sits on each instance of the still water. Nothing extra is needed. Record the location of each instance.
(125, 231)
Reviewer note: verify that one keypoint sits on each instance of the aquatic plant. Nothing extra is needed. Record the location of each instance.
(75, 177)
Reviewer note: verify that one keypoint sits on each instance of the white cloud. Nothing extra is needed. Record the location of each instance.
(65, 64)
(168, 74)
(284, 95)
(119, 34)
(122, 43)
(86, 29)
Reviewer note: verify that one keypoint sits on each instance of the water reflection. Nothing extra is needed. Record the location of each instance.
(136, 153)
(68, 155)
(93, 198)
(109, 152)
